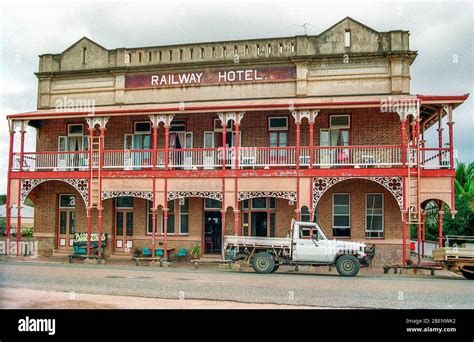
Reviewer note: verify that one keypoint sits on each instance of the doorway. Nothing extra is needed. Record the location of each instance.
(67, 221)
(259, 223)
(212, 232)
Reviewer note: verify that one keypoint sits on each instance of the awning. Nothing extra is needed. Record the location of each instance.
(428, 104)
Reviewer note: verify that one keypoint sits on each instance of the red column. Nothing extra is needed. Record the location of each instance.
(8, 199)
(440, 138)
(224, 150)
(237, 145)
(155, 139)
(298, 127)
(451, 139)
(165, 222)
(100, 209)
(22, 146)
(89, 223)
(297, 214)
(18, 221)
(153, 219)
(440, 224)
(167, 148)
(311, 137)
(403, 145)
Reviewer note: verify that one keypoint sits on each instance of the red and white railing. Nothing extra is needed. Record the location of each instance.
(249, 157)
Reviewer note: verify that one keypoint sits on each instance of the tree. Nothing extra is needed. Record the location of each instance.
(3, 199)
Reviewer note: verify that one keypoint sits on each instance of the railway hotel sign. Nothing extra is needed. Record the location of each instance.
(211, 76)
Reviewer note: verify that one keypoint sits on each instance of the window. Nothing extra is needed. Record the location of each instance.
(142, 127)
(67, 201)
(341, 215)
(75, 129)
(149, 226)
(278, 123)
(212, 204)
(124, 202)
(84, 55)
(184, 216)
(347, 38)
(259, 203)
(340, 121)
(374, 215)
(305, 216)
(178, 126)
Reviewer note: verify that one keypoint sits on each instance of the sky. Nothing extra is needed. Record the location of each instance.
(442, 32)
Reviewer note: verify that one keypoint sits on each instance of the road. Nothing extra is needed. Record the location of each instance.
(199, 288)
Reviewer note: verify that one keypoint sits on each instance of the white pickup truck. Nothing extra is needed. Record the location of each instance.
(306, 245)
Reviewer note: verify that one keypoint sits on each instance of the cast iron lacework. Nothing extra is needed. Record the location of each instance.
(289, 195)
(148, 195)
(392, 184)
(216, 195)
(81, 185)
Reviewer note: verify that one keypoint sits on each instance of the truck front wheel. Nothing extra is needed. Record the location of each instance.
(347, 265)
(263, 262)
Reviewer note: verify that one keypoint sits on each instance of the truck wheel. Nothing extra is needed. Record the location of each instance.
(468, 275)
(275, 268)
(263, 262)
(347, 265)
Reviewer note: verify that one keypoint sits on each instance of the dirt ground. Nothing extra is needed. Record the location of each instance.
(11, 298)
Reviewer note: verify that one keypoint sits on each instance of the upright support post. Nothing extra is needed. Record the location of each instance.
(165, 222)
(155, 140)
(451, 139)
(237, 144)
(153, 219)
(224, 149)
(167, 147)
(100, 209)
(89, 209)
(18, 221)
(8, 199)
(440, 137)
(311, 148)
(440, 224)
(298, 130)
(404, 221)
(22, 145)
(404, 139)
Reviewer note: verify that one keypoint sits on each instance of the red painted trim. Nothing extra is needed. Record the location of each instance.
(282, 106)
(218, 173)
(442, 97)
(8, 199)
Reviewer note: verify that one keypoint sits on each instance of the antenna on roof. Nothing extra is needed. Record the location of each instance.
(305, 27)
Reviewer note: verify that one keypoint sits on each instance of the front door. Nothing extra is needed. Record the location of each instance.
(212, 232)
(259, 224)
(67, 222)
(124, 231)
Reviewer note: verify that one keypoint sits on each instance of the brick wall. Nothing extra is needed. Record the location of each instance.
(368, 127)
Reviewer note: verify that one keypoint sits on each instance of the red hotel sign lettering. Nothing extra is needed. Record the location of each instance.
(211, 76)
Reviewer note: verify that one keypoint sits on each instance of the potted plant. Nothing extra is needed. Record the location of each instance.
(195, 252)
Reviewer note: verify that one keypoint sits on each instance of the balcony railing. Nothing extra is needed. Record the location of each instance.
(249, 157)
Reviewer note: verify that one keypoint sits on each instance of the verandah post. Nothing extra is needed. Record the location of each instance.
(8, 199)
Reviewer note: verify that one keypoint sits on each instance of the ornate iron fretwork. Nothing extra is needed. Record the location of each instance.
(289, 195)
(81, 185)
(216, 195)
(392, 184)
(148, 195)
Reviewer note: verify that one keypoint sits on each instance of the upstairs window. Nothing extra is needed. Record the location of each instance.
(278, 123)
(347, 38)
(142, 127)
(75, 129)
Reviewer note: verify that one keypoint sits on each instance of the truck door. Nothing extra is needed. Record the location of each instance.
(307, 249)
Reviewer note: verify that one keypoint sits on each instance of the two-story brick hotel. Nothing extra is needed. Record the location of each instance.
(180, 145)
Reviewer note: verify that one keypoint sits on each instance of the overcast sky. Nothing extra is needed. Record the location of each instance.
(441, 32)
